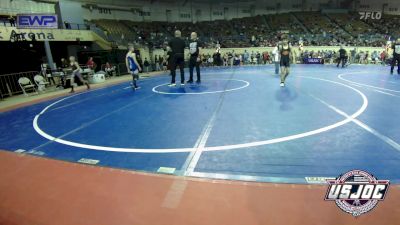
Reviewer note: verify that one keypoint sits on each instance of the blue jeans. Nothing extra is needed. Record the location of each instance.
(276, 67)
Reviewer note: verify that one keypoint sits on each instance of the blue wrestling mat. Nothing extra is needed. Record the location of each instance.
(237, 124)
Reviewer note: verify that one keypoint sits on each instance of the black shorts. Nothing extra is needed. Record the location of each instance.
(285, 61)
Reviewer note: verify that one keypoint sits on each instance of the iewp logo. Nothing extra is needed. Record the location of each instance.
(356, 192)
(37, 21)
(370, 15)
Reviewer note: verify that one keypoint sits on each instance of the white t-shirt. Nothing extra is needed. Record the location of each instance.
(193, 47)
(396, 48)
(275, 54)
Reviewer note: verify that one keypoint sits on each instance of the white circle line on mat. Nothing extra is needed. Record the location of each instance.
(212, 148)
(361, 84)
(246, 84)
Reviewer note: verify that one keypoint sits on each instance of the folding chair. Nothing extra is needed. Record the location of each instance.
(40, 82)
(26, 84)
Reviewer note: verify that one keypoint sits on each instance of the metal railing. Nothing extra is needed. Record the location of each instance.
(76, 26)
(9, 85)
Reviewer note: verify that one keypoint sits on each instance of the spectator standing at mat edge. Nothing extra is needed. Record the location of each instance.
(342, 57)
(157, 63)
(177, 46)
(146, 65)
(64, 65)
(276, 59)
(353, 55)
(396, 56)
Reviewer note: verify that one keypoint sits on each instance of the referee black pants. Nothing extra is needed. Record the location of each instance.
(192, 64)
(178, 60)
(396, 57)
(343, 60)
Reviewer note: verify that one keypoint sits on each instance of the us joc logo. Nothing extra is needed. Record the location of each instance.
(356, 192)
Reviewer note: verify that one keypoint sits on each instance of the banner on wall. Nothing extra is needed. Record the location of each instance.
(9, 34)
(313, 61)
(42, 21)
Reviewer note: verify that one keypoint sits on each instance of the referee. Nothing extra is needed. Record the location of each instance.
(177, 46)
(194, 61)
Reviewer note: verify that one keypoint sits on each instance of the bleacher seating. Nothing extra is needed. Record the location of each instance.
(314, 28)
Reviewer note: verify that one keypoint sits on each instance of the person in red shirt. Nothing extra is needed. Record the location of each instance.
(266, 57)
(91, 64)
(383, 57)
